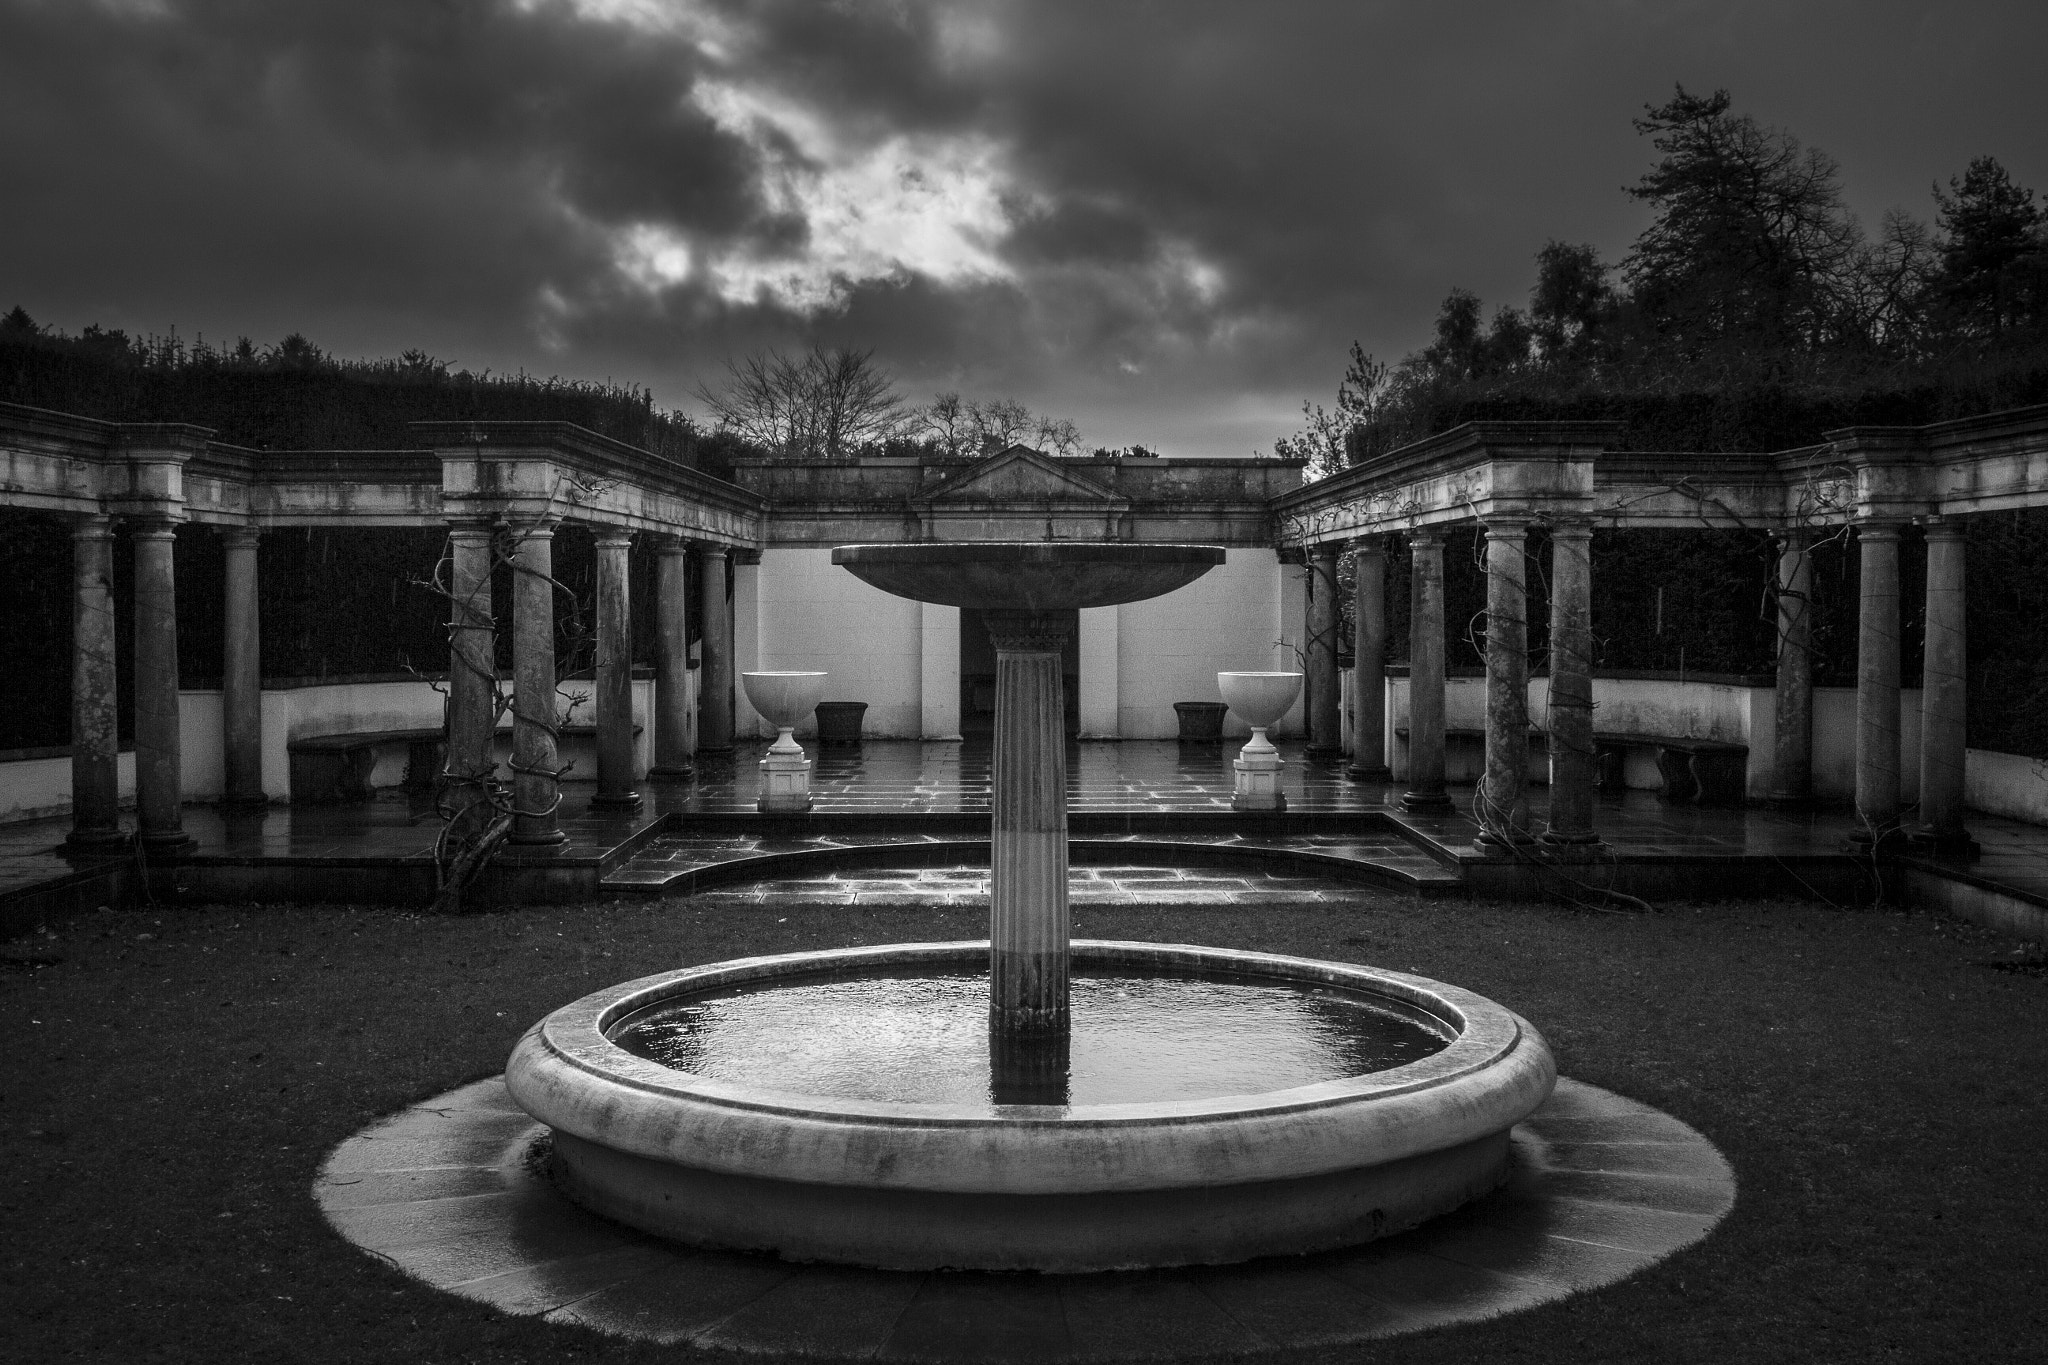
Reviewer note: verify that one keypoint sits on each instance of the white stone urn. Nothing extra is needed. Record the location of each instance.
(784, 699)
(1259, 699)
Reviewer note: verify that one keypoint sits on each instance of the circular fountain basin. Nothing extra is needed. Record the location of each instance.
(1028, 575)
(1330, 1104)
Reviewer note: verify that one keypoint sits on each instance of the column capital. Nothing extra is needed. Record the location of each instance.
(1369, 545)
(93, 526)
(615, 537)
(1425, 535)
(248, 536)
(1944, 528)
(1792, 538)
(665, 544)
(1880, 531)
(152, 528)
(1508, 526)
(1572, 528)
(712, 549)
(1026, 632)
(472, 526)
(1326, 549)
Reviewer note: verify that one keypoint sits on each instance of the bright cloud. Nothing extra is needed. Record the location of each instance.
(652, 256)
(900, 205)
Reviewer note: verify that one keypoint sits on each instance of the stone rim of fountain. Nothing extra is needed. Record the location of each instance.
(1495, 1069)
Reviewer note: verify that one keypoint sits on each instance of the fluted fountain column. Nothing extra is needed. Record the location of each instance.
(1028, 920)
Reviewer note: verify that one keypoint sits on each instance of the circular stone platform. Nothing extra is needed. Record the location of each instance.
(449, 1193)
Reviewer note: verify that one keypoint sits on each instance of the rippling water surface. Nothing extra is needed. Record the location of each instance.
(924, 1038)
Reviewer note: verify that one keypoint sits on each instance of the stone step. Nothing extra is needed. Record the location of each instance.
(680, 864)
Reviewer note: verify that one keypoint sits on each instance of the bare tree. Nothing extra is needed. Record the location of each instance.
(819, 404)
(986, 425)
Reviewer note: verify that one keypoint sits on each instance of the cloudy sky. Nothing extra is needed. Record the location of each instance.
(1166, 220)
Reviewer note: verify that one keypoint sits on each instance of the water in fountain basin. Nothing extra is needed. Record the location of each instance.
(923, 1038)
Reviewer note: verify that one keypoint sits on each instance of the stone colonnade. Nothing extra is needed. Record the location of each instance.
(1501, 806)
(472, 687)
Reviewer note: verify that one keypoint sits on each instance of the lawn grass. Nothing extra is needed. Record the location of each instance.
(170, 1088)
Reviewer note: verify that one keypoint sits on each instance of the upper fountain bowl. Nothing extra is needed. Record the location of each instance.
(1052, 575)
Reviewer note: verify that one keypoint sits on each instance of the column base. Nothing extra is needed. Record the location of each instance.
(97, 841)
(1491, 841)
(549, 838)
(161, 841)
(1373, 773)
(1427, 803)
(1572, 848)
(1324, 753)
(1949, 844)
(629, 801)
(1864, 842)
(242, 805)
(1789, 800)
(681, 772)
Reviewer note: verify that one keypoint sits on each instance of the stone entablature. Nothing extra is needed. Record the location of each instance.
(1554, 471)
(464, 470)
(1019, 494)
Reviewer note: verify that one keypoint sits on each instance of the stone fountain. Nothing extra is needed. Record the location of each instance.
(1087, 1105)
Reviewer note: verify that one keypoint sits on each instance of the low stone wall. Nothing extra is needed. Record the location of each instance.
(40, 787)
(2006, 784)
(1734, 712)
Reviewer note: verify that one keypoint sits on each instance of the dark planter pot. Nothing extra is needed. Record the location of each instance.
(839, 721)
(1201, 722)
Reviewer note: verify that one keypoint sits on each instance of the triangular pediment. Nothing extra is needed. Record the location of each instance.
(1020, 475)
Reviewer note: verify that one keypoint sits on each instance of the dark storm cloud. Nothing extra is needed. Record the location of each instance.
(1168, 218)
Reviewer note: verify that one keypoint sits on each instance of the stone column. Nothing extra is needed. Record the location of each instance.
(241, 675)
(1574, 764)
(536, 777)
(472, 661)
(671, 658)
(714, 673)
(1028, 873)
(95, 725)
(1369, 664)
(1792, 701)
(1877, 685)
(1943, 696)
(1426, 674)
(614, 685)
(1325, 705)
(1500, 807)
(158, 754)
